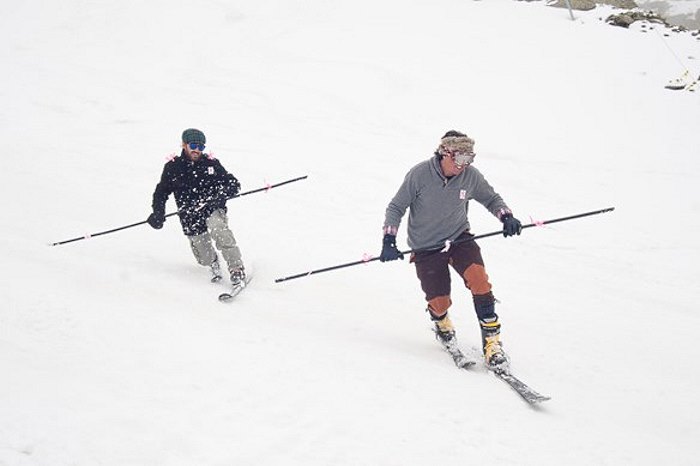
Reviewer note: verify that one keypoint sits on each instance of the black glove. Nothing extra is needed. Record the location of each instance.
(156, 220)
(235, 190)
(231, 189)
(389, 250)
(511, 225)
(220, 201)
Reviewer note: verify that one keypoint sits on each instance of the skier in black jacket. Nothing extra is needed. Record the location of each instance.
(201, 186)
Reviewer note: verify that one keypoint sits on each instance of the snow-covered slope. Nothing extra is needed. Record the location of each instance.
(115, 351)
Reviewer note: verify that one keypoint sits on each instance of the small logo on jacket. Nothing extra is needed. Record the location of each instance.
(462, 193)
(210, 170)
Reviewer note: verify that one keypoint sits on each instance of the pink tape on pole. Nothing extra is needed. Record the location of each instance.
(367, 257)
(170, 157)
(87, 236)
(268, 186)
(210, 156)
(538, 223)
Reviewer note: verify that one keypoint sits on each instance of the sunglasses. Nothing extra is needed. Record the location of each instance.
(463, 158)
(195, 146)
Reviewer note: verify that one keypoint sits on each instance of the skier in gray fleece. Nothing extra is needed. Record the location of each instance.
(437, 193)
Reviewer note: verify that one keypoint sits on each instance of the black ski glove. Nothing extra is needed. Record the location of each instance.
(232, 188)
(156, 220)
(389, 250)
(220, 201)
(511, 225)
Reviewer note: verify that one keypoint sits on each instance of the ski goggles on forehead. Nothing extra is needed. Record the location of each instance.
(195, 146)
(463, 158)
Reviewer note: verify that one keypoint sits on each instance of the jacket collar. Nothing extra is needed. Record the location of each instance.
(435, 162)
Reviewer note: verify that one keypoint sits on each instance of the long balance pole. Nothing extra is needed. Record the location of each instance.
(106, 232)
(486, 235)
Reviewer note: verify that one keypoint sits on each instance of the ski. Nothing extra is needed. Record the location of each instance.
(463, 362)
(459, 358)
(521, 388)
(235, 290)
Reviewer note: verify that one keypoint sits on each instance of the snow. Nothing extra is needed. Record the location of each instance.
(115, 351)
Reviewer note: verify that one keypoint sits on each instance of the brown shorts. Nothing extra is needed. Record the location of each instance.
(434, 274)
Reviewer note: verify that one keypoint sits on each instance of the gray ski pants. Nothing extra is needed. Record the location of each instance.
(202, 247)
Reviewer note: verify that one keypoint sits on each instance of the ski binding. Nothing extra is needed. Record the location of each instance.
(235, 290)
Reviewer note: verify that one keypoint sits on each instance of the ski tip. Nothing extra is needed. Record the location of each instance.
(539, 398)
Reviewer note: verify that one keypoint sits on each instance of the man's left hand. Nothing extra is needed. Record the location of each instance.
(511, 225)
(221, 200)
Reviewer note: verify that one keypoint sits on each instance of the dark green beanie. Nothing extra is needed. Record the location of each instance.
(193, 135)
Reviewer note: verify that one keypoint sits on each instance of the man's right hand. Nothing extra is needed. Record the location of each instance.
(389, 250)
(156, 220)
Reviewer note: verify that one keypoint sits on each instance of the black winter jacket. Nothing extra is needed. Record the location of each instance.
(200, 188)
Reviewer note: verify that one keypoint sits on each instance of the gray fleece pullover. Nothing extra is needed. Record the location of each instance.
(439, 206)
